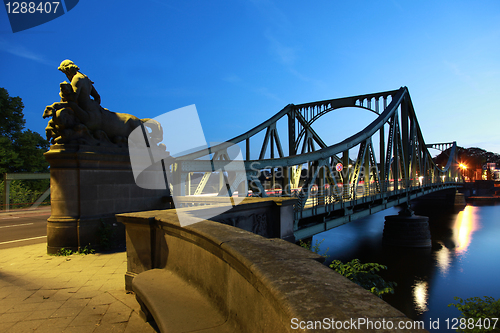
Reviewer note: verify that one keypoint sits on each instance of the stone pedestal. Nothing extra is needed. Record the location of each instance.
(407, 230)
(89, 185)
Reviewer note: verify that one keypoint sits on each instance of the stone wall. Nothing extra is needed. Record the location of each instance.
(259, 284)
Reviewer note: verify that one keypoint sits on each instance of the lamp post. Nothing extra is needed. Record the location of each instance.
(463, 167)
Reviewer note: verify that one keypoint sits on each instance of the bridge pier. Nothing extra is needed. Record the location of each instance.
(89, 185)
(407, 230)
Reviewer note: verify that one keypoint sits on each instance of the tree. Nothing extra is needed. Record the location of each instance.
(8, 157)
(30, 147)
(11, 115)
(473, 157)
(20, 151)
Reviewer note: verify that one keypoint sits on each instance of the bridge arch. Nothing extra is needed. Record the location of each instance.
(322, 113)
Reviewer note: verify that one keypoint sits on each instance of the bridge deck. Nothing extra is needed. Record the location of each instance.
(322, 215)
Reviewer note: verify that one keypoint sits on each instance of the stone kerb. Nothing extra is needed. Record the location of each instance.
(255, 283)
(89, 185)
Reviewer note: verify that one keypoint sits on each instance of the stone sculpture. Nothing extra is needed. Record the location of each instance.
(80, 119)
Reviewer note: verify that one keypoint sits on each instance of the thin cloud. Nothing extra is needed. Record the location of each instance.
(463, 76)
(265, 92)
(286, 54)
(23, 52)
(232, 78)
(272, 14)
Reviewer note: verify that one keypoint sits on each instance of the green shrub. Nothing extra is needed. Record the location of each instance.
(64, 252)
(83, 251)
(86, 250)
(315, 248)
(362, 274)
(476, 310)
(365, 275)
(23, 193)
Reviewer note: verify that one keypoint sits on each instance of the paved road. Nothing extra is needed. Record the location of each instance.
(20, 228)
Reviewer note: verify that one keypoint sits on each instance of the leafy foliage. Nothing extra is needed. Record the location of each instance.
(315, 248)
(20, 151)
(30, 147)
(87, 249)
(83, 251)
(476, 308)
(9, 158)
(365, 276)
(64, 252)
(22, 193)
(11, 115)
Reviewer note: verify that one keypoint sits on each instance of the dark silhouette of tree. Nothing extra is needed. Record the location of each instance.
(11, 115)
(20, 151)
(473, 158)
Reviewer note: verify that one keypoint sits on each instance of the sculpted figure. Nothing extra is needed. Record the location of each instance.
(78, 118)
(83, 88)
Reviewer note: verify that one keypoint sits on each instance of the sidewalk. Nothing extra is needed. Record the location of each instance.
(77, 293)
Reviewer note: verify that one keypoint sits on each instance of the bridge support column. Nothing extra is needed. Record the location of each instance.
(407, 229)
(89, 185)
(459, 201)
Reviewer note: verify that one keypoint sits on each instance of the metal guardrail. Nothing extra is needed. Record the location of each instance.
(9, 177)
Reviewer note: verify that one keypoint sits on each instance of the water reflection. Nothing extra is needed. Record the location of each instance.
(443, 259)
(464, 227)
(420, 296)
(428, 279)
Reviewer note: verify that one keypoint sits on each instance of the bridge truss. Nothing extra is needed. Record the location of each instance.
(333, 184)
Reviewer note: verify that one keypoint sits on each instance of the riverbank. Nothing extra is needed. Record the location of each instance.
(482, 191)
(483, 199)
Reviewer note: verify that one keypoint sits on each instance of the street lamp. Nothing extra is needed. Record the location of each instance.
(463, 167)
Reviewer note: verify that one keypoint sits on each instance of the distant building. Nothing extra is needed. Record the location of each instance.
(490, 169)
(496, 175)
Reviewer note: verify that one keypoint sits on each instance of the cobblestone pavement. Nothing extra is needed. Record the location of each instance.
(77, 293)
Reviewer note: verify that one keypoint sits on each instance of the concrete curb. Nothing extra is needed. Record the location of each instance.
(27, 211)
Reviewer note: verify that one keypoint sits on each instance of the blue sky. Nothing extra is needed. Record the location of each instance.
(241, 61)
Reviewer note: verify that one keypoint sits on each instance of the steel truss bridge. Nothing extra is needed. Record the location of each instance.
(385, 164)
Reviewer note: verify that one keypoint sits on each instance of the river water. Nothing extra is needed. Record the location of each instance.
(464, 260)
